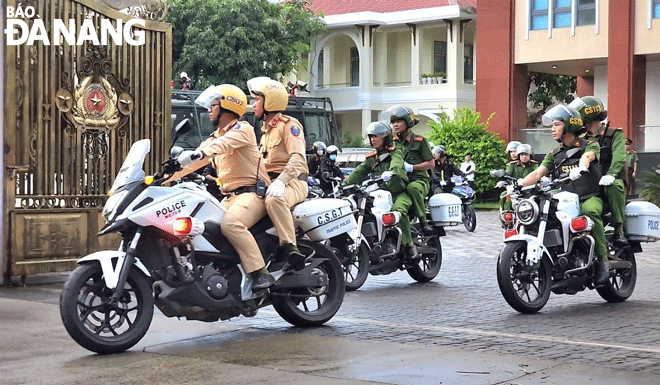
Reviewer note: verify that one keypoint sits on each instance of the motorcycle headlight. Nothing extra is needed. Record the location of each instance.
(112, 203)
(527, 211)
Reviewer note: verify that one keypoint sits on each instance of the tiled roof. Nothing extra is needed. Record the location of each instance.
(338, 7)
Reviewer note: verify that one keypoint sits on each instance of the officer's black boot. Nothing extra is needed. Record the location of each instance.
(602, 272)
(427, 229)
(295, 259)
(261, 279)
(619, 238)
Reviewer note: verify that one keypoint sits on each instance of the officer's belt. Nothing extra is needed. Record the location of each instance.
(274, 175)
(243, 189)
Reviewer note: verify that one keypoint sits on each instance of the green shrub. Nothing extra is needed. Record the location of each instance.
(650, 187)
(350, 140)
(466, 134)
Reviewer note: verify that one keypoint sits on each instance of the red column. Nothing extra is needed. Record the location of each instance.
(585, 86)
(501, 86)
(626, 73)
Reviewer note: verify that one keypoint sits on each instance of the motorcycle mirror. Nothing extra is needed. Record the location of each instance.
(183, 127)
(175, 151)
(497, 173)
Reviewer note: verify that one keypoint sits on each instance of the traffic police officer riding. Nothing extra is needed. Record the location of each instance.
(232, 149)
(283, 149)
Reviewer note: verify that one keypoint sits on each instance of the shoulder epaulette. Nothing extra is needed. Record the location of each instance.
(391, 148)
(533, 161)
(396, 138)
(513, 162)
(418, 138)
(373, 153)
(284, 118)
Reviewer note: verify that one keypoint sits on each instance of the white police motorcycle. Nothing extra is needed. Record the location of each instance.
(174, 255)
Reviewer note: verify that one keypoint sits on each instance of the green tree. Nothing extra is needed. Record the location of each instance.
(548, 90)
(353, 141)
(231, 41)
(466, 134)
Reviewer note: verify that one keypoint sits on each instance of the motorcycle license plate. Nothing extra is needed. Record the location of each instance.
(454, 211)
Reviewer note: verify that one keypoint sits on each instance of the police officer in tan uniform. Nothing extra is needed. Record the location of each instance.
(283, 149)
(232, 150)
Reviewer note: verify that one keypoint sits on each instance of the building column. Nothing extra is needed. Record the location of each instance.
(585, 86)
(454, 54)
(327, 62)
(414, 57)
(501, 85)
(626, 72)
(366, 119)
(3, 195)
(381, 44)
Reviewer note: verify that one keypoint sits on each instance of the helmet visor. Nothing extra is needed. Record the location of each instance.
(558, 112)
(578, 103)
(206, 98)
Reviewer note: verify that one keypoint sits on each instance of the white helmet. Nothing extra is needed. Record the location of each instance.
(183, 75)
(512, 145)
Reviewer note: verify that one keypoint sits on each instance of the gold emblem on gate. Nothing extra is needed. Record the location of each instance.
(95, 104)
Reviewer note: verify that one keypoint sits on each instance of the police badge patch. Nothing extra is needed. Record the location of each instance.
(295, 130)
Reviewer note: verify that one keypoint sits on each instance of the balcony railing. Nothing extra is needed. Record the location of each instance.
(336, 85)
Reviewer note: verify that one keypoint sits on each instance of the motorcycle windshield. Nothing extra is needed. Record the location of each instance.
(131, 170)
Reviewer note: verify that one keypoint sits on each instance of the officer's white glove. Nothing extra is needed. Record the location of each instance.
(387, 175)
(606, 180)
(443, 183)
(500, 184)
(188, 157)
(276, 189)
(545, 181)
(408, 167)
(576, 172)
(520, 181)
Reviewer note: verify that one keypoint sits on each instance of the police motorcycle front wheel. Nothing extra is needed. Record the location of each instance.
(94, 321)
(315, 304)
(525, 288)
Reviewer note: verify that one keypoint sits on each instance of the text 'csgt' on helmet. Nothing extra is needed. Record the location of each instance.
(275, 96)
(379, 129)
(563, 113)
(230, 98)
(591, 108)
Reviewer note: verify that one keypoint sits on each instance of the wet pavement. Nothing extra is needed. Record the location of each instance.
(457, 329)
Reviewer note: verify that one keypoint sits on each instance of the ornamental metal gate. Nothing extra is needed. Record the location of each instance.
(71, 115)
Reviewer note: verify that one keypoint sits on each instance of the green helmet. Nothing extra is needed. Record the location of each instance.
(380, 129)
(401, 112)
(590, 107)
(569, 115)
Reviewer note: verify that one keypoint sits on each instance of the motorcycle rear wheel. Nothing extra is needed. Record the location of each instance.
(314, 306)
(622, 284)
(524, 288)
(428, 266)
(97, 325)
(469, 218)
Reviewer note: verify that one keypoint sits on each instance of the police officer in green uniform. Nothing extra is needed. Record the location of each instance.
(584, 172)
(387, 162)
(518, 169)
(612, 159)
(417, 160)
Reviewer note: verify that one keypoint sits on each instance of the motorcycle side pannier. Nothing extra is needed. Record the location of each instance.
(446, 210)
(642, 221)
(322, 219)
